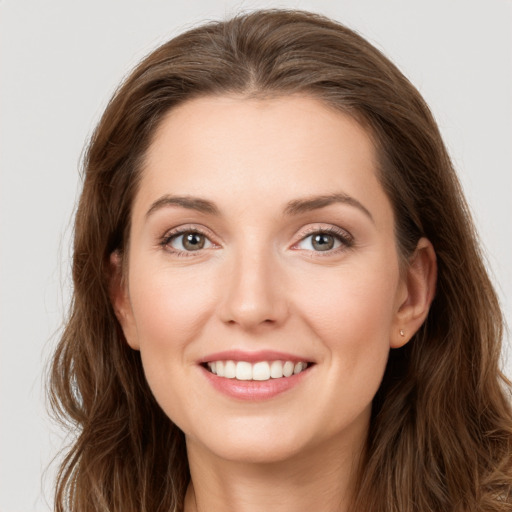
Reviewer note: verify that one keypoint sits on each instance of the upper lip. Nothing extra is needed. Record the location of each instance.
(253, 357)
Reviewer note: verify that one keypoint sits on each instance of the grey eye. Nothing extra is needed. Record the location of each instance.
(320, 242)
(190, 241)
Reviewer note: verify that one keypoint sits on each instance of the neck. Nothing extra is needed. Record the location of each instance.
(321, 478)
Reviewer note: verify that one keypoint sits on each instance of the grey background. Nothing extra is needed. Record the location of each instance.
(59, 63)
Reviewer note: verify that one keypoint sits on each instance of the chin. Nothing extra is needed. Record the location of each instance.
(262, 441)
(256, 451)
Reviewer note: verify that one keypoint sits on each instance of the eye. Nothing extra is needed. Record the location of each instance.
(324, 240)
(188, 241)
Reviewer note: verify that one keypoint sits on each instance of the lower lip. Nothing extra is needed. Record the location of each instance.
(254, 390)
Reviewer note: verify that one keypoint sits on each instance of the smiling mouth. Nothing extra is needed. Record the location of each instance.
(259, 371)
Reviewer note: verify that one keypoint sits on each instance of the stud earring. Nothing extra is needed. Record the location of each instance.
(402, 333)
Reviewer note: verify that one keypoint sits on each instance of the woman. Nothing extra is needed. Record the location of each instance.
(279, 299)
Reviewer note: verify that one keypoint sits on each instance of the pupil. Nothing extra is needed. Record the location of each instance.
(323, 242)
(193, 241)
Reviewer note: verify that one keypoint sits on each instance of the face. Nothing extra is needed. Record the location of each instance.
(261, 244)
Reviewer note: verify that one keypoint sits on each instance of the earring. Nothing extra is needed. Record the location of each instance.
(402, 333)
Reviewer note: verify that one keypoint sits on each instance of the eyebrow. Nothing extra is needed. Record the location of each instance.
(294, 207)
(189, 202)
(298, 206)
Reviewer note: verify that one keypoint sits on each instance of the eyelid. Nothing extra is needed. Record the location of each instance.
(344, 236)
(164, 240)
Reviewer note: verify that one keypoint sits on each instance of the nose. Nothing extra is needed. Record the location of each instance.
(254, 295)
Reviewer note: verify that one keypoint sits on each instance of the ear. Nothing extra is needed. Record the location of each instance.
(120, 298)
(416, 295)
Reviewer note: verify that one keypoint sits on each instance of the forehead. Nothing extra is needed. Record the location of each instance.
(234, 148)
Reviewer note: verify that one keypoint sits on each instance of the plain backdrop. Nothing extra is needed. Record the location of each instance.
(59, 63)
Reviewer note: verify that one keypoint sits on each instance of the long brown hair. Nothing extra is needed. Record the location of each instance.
(441, 427)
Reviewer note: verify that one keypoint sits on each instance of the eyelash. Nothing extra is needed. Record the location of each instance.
(344, 237)
(346, 240)
(169, 237)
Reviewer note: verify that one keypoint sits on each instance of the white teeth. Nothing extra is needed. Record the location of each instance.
(288, 368)
(229, 370)
(298, 368)
(276, 369)
(243, 370)
(262, 370)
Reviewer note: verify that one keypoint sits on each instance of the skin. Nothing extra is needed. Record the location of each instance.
(259, 284)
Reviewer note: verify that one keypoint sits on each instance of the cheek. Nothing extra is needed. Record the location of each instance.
(170, 310)
(357, 299)
(351, 313)
(168, 307)
(351, 317)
